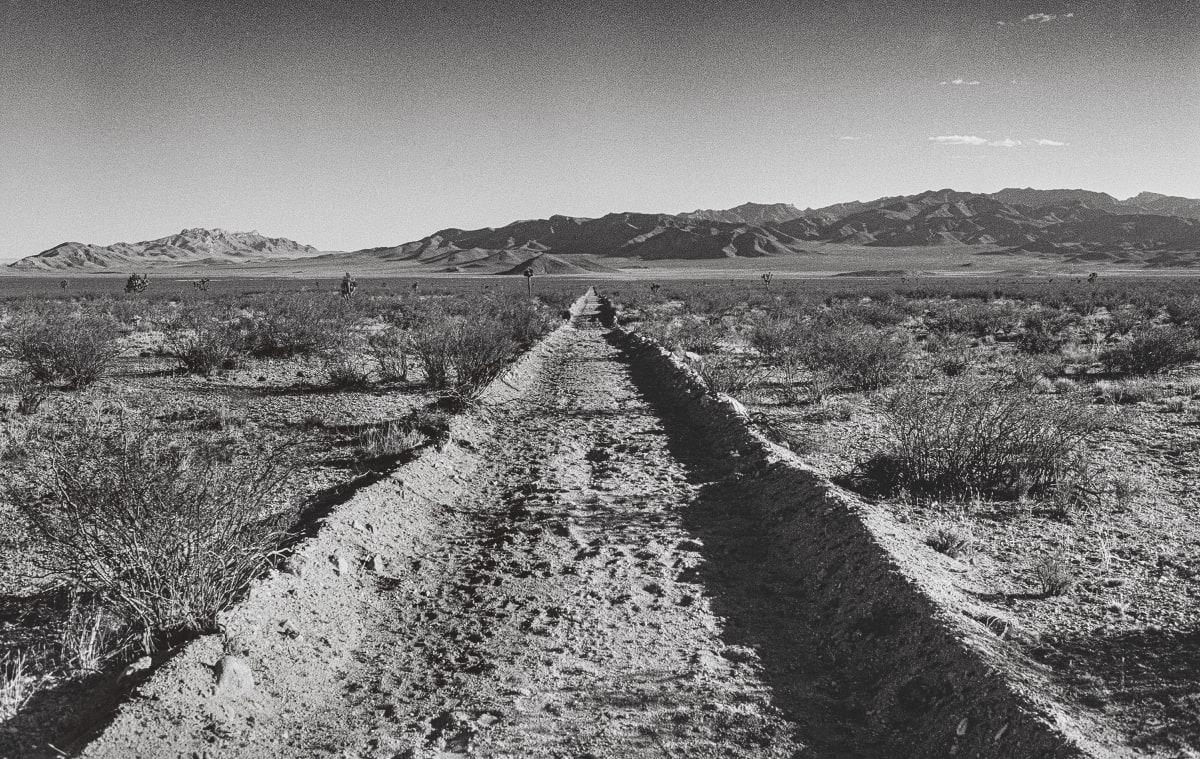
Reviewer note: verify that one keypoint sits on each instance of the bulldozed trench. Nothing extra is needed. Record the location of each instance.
(602, 561)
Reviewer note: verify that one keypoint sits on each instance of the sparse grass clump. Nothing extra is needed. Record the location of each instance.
(388, 439)
(1053, 575)
(950, 539)
(977, 436)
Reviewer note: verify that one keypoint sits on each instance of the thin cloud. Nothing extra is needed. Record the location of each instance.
(1045, 18)
(959, 139)
(971, 139)
(960, 81)
(1051, 143)
(849, 137)
(1038, 18)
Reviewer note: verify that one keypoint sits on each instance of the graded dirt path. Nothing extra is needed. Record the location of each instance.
(549, 601)
(560, 620)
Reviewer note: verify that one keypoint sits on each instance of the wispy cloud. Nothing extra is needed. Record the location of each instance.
(1007, 142)
(1038, 18)
(961, 81)
(959, 139)
(849, 137)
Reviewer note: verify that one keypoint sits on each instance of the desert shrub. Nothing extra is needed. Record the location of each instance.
(56, 346)
(977, 436)
(524, 318)
(771, 336)
(727, 375)
(951, 354)
(698, 335)
(1120, 392)
(293, 325)
(973, 318)
(1041, 332)
(390, 351)
(873, 313)
(345, 369)
(464, 352)
(1184, 311)
(432, 343)
(480, 351)
(1122, 321)
(28, 392)
(166, 530)
(1152, 350)
(862, 359)
(202, 342)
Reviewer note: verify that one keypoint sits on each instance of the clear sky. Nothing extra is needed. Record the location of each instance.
(345, 124)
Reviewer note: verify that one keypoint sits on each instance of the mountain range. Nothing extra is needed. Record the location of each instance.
(196, 247)
(1066, 225)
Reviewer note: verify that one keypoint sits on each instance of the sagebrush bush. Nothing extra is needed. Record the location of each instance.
(1152, 350)
(55, 346)
(977, 436)
(165, 529)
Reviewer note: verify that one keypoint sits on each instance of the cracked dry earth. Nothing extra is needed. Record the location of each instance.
(549, 602)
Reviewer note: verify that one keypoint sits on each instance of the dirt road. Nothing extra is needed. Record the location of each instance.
(537, 589)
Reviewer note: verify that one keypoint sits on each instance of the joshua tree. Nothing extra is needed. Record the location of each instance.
(348, 286)
(654, 288)
(766, 278)
(528, 274)
(1092, 278)
(137, 283)
(62, 283)
(201, 284)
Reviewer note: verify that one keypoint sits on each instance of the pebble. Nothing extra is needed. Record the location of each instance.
(233, 675)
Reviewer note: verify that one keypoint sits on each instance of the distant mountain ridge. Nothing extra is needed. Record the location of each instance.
(215, 247)
(1070, 225)
(625, 235)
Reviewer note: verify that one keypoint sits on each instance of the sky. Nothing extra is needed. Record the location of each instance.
(354, 123)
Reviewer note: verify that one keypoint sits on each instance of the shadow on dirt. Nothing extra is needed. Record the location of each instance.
(752, 585)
